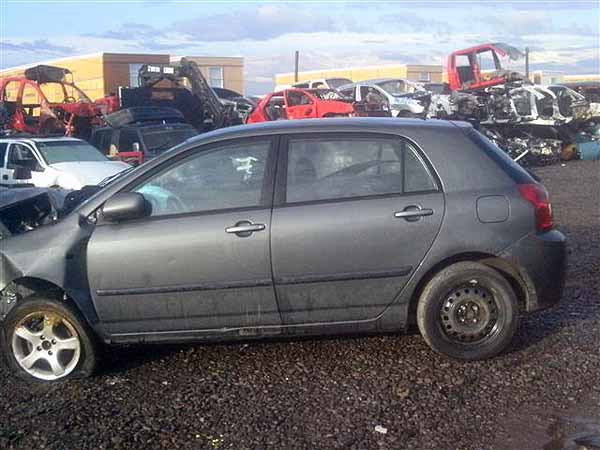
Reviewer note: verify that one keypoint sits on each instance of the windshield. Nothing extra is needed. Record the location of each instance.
(157, 141)
(55, 152)
(394, 87)
(335, 83)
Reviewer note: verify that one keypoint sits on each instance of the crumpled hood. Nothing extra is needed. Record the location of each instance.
(90, 172)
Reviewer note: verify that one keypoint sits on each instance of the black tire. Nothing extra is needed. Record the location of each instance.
(468, 311)
(33, 309)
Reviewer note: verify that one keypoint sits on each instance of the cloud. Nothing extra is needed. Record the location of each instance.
(38, 46)
(130, 30)
(262, 23)
(416, 22)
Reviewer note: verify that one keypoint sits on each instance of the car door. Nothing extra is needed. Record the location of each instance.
(299, 105)
(354, 216)
(22, 155)
(201, 261)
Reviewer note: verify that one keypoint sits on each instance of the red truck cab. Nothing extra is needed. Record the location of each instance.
(465, 71)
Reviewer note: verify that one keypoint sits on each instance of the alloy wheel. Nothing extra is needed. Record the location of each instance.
(46, 345)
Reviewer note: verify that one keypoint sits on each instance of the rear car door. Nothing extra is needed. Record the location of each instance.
(354, 216)
(201, 261)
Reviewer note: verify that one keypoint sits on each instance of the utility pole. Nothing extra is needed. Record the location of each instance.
(297, 57)
(527, 63)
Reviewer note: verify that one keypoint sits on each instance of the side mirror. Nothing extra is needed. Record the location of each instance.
(22, 173)
(135, 147)
(125, 206)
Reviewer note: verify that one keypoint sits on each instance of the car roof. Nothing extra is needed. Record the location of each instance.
(40, 139)
(348, 125)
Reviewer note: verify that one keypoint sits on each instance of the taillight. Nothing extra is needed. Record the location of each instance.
(537, 195)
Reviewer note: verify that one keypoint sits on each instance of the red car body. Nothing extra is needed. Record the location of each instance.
(470, 77)
(300, 104)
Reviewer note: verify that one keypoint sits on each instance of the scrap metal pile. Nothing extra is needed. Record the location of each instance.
(534, 124)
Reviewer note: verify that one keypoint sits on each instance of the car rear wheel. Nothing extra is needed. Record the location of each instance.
(468, 311)
(47, 340)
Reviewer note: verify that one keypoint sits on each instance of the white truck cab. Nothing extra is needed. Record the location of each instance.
(60, 162)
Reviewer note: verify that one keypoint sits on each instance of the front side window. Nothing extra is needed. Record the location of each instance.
(3, 146)
(20, 155)
(338, 168)
(223, 178)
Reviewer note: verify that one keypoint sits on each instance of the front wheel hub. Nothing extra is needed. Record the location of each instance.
(469, 314)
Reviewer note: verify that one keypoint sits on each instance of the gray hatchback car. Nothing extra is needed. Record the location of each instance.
(289, 228)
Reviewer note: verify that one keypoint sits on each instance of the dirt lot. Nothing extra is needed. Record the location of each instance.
(333, 393)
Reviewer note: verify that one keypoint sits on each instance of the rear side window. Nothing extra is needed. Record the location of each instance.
(511, 168)
(337, 168)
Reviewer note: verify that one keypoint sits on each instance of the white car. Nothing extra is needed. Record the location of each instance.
(405, 98)
(59, 162)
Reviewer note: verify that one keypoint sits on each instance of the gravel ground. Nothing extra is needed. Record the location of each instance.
(387, 392)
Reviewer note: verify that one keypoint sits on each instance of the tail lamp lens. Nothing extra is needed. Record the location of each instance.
(537, 195)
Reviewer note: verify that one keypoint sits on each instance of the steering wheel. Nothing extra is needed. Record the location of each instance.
(359, 168)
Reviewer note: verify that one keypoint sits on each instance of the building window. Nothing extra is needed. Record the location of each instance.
(215, 76)
(424, 76)
(134, 80)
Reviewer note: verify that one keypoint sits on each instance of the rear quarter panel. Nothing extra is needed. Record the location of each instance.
(466, 175)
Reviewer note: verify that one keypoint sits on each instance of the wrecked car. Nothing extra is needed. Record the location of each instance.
(184, 88)
(136, 135)
(261, 252)
(301, 104)
(47, 101)
(60, 162)
(466, 74)
(405, 98)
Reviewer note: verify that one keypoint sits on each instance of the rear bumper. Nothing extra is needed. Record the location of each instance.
(541, 259)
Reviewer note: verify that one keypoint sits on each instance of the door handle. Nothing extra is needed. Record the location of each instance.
(413, 213)
(245, 228)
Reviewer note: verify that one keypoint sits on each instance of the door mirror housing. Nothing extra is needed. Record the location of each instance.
(22, 173)
(125, 206)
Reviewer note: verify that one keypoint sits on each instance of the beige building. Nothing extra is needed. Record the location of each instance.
(100, 74)
(414, 72)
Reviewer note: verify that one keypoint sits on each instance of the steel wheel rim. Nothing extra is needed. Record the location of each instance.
(46, 345)
(470, 315)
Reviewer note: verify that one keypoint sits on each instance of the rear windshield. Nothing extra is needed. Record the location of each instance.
(515, 171)
(55, 152)
(157, 141)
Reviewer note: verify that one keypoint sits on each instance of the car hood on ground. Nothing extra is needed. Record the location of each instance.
(91, 172)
